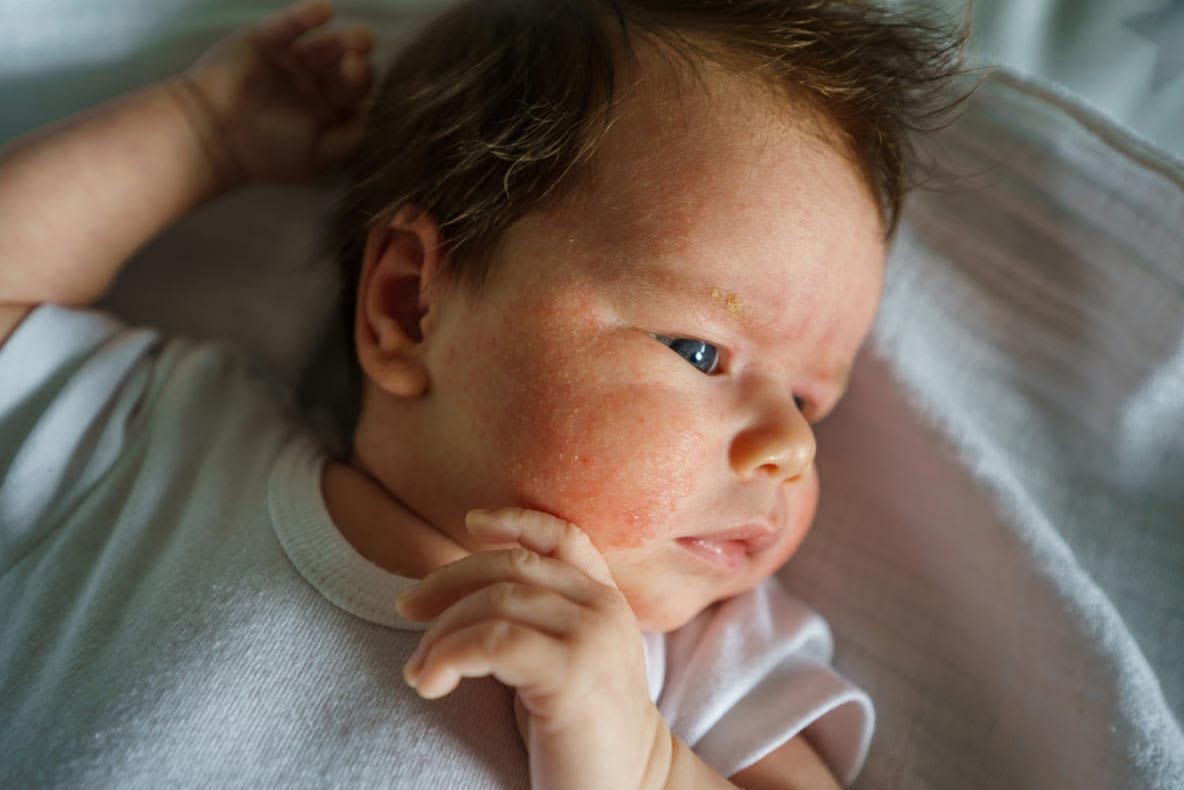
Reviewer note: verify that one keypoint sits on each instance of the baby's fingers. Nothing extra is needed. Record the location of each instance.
(535, 608)
(325, 52)
(350, 81)
(446, 586)
(544, 533)
(339, 63)
(515, 654)
(279, 31)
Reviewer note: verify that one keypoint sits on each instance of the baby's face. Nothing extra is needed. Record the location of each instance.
(632, 365)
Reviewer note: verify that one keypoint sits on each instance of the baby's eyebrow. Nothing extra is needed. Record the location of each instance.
(673, 283)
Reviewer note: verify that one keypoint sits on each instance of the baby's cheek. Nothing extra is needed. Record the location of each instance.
(583, 429)
(611, 462)
(803, 505)
(592, 438)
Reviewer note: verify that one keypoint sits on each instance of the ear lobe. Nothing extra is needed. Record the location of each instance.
(400, 262)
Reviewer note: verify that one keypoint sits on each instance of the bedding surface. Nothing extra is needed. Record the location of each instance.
(1000, 544)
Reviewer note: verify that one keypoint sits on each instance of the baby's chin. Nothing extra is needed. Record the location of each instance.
(665, 622)
(664, 613)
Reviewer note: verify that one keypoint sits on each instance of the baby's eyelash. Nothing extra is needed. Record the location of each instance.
(703, 356)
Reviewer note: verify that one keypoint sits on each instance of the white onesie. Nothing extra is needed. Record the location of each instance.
(177, 609)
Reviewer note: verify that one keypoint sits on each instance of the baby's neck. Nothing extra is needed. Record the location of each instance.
(380, 527)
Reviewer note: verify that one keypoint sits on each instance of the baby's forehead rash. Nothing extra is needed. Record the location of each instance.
(730, 299)
(725, 300)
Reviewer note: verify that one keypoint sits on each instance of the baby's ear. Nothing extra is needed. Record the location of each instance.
(401, 261)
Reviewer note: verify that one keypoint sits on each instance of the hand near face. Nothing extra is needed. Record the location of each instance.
(545, 618)
(282, 99)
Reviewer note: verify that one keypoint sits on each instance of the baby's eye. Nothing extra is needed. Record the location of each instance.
(699, 353)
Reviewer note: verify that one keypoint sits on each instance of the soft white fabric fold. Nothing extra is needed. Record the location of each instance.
(1000, 546)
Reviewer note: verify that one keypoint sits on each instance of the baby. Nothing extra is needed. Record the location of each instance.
(612, 261)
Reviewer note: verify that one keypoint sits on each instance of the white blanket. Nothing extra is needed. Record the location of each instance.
(1000, 544)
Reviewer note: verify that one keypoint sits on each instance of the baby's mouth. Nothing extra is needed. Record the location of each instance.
(729, 549)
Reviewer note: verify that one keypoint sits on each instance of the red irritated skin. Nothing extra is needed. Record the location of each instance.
(646, 358)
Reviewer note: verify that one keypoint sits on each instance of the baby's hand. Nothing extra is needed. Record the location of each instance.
(547, 619)
(272, 103)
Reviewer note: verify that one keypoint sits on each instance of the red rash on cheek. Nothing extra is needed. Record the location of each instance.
(613, 466)
(584, 433)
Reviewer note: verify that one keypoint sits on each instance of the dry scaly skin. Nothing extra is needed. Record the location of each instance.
(730, 299)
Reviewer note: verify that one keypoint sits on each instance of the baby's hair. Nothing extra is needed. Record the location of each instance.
(496, 107)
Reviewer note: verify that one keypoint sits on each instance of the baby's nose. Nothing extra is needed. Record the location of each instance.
(779, 443)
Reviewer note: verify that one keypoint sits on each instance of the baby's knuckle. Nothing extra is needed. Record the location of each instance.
(521, 560)
(515, 512)
(573, 534)
(503, 594)
(497, 637)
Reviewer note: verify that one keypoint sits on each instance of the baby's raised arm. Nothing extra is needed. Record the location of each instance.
(80, 196)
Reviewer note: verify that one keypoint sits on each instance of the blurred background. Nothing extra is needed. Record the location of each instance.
(1125, 57)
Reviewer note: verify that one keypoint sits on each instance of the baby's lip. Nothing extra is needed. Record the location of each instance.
(756, 537)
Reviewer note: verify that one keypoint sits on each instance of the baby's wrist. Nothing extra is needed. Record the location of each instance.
(225, 169)
(687, 769)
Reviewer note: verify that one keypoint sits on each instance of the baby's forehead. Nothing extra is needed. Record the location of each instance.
(722, 201)
(674, 152)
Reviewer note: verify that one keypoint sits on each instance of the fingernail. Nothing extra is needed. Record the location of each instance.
(404, 597)
(444, 683)
(477, 517)
(411, 668)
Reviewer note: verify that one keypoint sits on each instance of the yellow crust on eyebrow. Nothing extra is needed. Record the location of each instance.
(730, 299)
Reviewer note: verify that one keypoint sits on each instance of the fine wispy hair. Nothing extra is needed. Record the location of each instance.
(496, 107)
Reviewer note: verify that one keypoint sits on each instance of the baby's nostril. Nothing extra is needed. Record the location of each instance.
(777, 470)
